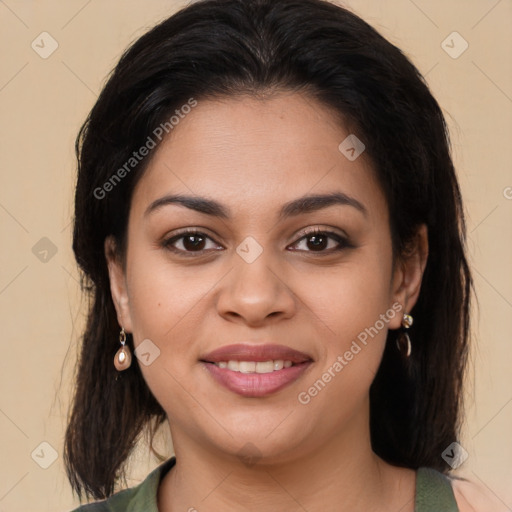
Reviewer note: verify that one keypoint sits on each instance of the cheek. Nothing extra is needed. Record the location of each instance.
(350, 298)
(353, 304)
(352, 348)
(166, 308)
(163, 295)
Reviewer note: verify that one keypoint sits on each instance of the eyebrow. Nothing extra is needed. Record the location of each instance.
(301, 205)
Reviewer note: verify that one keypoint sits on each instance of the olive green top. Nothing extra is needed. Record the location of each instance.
(433, 493)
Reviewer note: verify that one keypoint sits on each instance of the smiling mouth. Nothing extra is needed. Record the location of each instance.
(255, 370)
(254, 366)
(255, 379)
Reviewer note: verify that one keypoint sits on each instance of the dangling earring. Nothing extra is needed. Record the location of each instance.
(123, 357)
(403, 342)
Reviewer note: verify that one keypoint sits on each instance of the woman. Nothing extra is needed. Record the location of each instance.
(271, 232)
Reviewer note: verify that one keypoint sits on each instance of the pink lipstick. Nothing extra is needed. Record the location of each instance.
(255, 370)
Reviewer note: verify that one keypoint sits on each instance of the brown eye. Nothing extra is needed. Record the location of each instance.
(317, 242)
(193, 242)
(322, 242)
(190, 242)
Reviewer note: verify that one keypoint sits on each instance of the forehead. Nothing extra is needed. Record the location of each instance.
(252, 152)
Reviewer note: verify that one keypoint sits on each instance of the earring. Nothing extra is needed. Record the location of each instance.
(403, 342)
(123, 357)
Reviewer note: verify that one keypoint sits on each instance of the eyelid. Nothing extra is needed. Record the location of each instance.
(192, 230)
(318, 229)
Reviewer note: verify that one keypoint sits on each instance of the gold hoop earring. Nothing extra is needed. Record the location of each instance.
(403, 342)
(123, 357)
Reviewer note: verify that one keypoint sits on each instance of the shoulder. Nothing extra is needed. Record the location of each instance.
(439, 491)
(117, 502)
(140, 497)
(434, 492)
(472, 496)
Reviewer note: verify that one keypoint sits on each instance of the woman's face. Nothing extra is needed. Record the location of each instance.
(248, 172)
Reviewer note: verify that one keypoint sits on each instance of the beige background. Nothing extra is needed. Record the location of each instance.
(44, 101)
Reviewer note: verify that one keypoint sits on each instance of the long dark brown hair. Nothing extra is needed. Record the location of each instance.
(223, 48)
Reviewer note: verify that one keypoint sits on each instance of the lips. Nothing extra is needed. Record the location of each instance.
(245, 352)
(237, 368)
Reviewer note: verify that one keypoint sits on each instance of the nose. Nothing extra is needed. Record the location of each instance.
(254, 294)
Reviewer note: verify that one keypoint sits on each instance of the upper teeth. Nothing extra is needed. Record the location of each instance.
(253, 366)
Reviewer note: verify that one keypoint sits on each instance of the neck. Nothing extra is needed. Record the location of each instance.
(343, 474)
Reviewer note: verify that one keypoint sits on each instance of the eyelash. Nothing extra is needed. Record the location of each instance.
(342, 241)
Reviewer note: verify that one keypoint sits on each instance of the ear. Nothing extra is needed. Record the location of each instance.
(118, 286)
(408, 274)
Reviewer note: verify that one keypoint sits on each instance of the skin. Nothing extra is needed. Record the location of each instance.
(253, 156)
